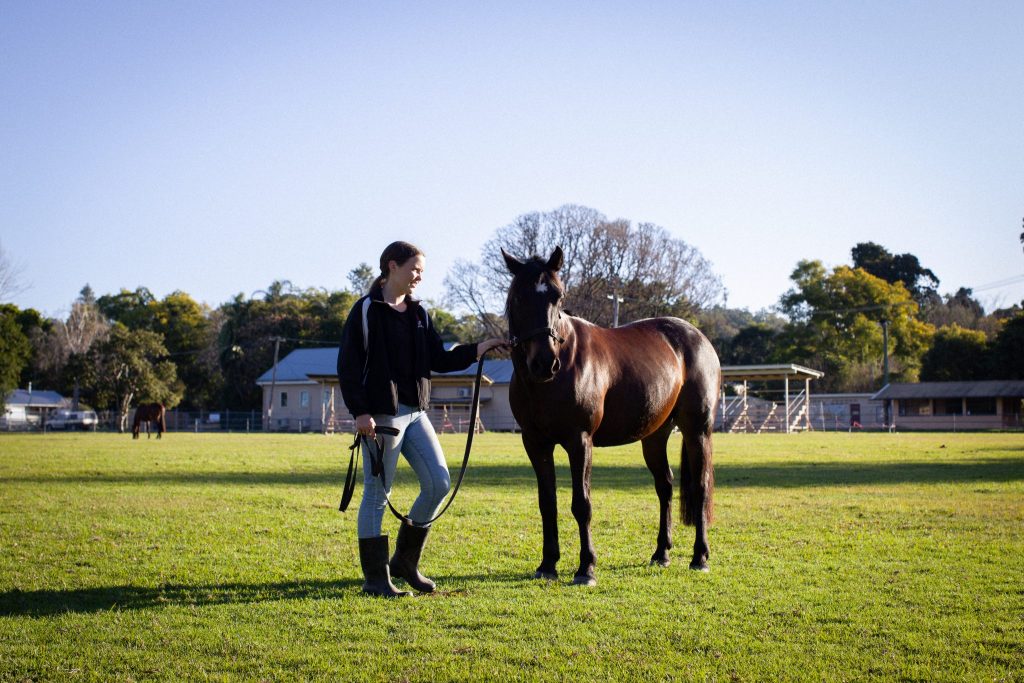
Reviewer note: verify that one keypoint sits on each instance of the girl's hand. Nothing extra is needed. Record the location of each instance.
(365, 426)
(490, 344)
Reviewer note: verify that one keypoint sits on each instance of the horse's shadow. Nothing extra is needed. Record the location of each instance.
(42, 603)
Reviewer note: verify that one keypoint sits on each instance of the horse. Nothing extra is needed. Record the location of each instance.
(148, 413)
(578, 385)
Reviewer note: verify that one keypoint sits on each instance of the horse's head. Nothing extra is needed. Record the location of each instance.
(533, 309)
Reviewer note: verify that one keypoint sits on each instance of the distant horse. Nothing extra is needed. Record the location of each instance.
(148, 413)
(579, 386)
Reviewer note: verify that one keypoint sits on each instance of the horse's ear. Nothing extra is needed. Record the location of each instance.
(555, 262)
(513, 264)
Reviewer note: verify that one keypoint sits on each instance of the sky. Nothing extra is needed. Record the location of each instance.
(214, 147)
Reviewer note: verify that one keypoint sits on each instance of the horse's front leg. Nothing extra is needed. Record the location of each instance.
(542, 457)
(580, 458)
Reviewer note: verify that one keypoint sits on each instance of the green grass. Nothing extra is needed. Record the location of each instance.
(833, 557)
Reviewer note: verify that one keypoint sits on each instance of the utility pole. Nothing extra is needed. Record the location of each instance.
(615, 314)
(273, 381)
(885, 367)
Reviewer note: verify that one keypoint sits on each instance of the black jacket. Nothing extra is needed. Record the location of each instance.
(366, 382)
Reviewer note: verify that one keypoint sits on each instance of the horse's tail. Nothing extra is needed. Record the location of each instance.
(697, 468)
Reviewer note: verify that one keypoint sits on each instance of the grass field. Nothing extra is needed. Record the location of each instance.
(833, 557)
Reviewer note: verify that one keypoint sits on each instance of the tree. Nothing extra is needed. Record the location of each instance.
(755, 344)
(654, 273)
(956, 354)
(906, 268)
(14, 350)
(10, 277)
(31, 324)
(248, 327)
(835, 326)
(723, 326)
(960, 309)
(136, 310)
(131, 366)
(56, 341)
(361, 278)
(185, 327)
(1007, 350)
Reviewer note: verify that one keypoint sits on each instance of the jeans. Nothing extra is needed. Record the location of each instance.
(418, 442)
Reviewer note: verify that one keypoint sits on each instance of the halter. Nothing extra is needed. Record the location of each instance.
(517, 340)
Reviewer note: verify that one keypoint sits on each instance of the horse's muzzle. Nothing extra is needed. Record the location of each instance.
(542, 371)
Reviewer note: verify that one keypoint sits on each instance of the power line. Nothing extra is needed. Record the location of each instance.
(998, 284)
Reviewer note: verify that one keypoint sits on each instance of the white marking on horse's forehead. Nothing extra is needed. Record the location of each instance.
(541, 285)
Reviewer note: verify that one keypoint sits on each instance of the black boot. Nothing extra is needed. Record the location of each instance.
(373, 555)
(406, 560)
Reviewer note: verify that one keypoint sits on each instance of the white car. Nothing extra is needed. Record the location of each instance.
(73, 419)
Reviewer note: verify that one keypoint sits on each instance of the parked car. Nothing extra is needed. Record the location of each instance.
(73, 419)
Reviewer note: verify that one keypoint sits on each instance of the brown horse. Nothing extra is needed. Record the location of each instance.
(579, 386)
(149, 413)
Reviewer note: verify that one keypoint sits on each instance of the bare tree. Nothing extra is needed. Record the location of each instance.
(10, 277)
(654, 273)
(73, 336)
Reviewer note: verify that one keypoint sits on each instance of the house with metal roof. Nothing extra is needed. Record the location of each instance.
(302, 394)
(28, 409)
(994, 404)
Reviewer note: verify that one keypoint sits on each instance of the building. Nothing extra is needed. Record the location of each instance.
(306, 398)
(994, 404)
(303, 395)
(28, 409)
(788, 409)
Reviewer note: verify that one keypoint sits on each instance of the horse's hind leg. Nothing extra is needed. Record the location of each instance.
(698, 481)
(656, 457)
(580, 461)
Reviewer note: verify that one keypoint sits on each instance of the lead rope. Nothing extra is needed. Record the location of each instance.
(377, 459)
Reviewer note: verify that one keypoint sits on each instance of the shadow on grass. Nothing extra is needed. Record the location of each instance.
(41, 603)
(625, 476)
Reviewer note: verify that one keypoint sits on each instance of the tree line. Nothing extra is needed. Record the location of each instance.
(116, 350)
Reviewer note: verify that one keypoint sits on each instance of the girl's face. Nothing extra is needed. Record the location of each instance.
(405, 277)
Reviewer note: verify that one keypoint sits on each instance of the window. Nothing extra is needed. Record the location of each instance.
(949, 406)
(913, 407)
(325, 397)
(304, 399)
(284, 399)
(981, 406)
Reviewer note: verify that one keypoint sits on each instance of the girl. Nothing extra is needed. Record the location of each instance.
(388, 350)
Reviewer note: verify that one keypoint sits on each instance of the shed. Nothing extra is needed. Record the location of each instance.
(986, 404)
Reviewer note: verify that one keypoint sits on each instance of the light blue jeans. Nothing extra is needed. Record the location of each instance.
(418, 442)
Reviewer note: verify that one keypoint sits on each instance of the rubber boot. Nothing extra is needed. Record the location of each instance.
(406, 560)
(373, 556)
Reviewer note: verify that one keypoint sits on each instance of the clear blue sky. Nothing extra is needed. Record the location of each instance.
(214, 147)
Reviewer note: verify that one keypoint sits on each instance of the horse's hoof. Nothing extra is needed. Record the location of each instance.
(584, 580)
(547, 576)
(664, 562)
(700, 566)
